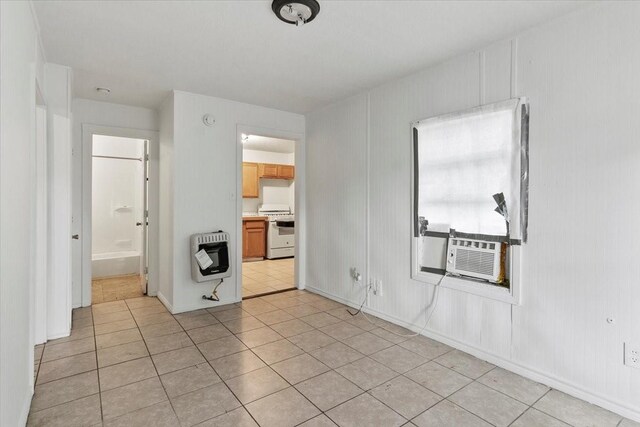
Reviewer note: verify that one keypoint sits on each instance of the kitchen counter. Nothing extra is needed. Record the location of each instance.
(254, 218)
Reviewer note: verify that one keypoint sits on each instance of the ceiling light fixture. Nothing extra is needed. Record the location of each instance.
(103, 91)
(297, 12)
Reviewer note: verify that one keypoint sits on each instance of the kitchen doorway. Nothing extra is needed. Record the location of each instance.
(268, 215)
(119, 212)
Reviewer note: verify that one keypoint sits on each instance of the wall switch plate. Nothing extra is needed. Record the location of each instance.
(632, 355)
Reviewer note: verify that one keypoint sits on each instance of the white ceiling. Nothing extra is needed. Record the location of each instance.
(265, 143)
(239, 50)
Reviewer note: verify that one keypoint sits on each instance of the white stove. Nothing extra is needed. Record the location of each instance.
(281, 230)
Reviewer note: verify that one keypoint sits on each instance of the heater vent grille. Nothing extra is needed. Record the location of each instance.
(212, 238)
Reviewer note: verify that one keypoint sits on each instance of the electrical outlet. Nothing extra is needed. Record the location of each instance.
(632, 355)
(355, 275)
(376, 287)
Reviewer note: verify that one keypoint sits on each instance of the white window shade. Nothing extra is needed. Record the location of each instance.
(463, 159)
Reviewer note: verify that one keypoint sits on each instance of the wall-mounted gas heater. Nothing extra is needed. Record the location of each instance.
(210, 256)
(477, 258)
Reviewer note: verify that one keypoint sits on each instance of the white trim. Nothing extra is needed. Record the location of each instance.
(88, 130)
(300, 200)
(36, 23)
(165, 302)
(41, 263)
(548, 379)
(26, 408)
(513, 294)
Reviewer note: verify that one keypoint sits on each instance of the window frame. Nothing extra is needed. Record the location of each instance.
(511, 295)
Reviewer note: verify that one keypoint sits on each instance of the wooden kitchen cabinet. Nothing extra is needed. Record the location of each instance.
(267, 170)
(285, 171)
(254, 237)
(250, 180)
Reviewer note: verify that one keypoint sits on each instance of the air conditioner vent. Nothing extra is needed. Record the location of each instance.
(475, 261)
(475, 258)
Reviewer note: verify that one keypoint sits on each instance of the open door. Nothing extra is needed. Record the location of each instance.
(144, 283)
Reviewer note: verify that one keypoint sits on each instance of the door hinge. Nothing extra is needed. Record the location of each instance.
(146, 270)
(146, 214)
(146, 157)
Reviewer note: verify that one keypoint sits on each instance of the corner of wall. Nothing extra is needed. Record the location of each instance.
(165, 202)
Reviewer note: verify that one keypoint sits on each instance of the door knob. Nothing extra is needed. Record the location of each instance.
(75, 236)
(138, 224)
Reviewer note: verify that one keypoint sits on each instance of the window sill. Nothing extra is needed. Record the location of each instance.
(509, 295)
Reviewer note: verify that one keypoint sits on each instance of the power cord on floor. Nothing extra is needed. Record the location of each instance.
(214, 293)
(366, 294)
(435, 304)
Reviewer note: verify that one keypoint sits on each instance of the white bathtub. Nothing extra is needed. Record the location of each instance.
(115, 264)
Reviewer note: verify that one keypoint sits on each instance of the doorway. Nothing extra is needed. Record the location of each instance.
(268, 215)
(119, 212)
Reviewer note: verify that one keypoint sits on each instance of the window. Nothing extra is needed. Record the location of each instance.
(471, 181)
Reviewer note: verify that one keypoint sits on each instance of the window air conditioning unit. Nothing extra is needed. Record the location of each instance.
(477, 258)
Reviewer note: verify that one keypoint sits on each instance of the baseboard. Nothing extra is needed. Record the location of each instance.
(183, 309)
(534, 374)
(165, 302)
(57, 335)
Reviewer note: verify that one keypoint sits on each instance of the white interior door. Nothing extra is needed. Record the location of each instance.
(144, 258)
(59, 264)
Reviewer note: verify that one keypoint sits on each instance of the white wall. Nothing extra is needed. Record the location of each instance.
(19, 68)
(205, 165)
(580, 74)
(279, 191)
(117, 196)
(166, 201)
(106, 114)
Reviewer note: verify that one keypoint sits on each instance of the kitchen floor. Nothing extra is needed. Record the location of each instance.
(287, 359)
(269, 275)
(116, 288)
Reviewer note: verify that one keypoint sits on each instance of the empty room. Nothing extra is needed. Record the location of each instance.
(271, 213)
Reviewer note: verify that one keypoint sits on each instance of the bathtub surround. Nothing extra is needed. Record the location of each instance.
(117, 206)
(111, 264)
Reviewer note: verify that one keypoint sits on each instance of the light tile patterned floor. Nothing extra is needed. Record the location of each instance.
(288, 359)
(269, 275)
(115, 288)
